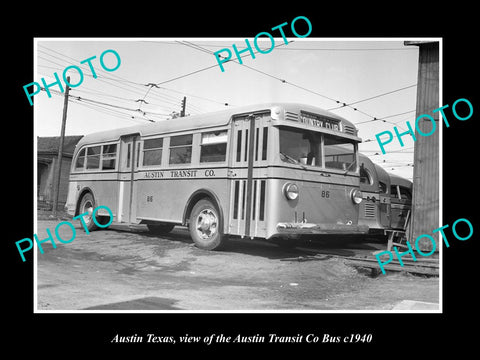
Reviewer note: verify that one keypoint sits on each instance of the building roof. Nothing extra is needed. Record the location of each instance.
(50, 144)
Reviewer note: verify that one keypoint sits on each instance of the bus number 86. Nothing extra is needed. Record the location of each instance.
(325, 194)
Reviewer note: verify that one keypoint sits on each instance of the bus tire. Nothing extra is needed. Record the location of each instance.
(87, 205)
(205, 226)
(160, 229)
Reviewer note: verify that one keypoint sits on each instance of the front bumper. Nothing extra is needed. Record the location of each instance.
(309, 228)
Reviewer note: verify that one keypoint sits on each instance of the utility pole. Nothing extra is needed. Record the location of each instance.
(184, 103)
(56, 189)
(426, 174)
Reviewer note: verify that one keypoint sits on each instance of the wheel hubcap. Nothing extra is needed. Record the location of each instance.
(206, 224)
(88, 208)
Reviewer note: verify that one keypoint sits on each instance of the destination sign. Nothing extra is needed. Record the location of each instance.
(319, 121)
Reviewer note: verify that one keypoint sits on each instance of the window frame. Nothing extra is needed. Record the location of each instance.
(214, 143)
(344, 141)
(99, 155)
(170, 147)
(322, 150)
(114, 157)
(318, 145)
(143, 151)
(79, 155)
(83, 153)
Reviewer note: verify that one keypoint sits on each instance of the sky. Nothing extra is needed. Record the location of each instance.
(313, 71)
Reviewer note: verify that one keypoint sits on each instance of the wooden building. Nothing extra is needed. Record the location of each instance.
(47, 153)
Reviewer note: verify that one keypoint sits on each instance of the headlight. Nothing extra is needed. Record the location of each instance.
(357, 196)
(291, 191)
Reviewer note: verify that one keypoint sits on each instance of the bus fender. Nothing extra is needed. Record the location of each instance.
(195, 197)
(85, 190)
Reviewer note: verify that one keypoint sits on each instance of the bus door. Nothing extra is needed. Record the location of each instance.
(382, 183)
(400, 205)
(248, 176)
(385, 209)
(369, 211)
(128, 164)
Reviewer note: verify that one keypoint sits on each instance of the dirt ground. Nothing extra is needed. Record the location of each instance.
(128, 269)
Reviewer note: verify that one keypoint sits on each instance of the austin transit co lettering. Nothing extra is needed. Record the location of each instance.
(179, 174)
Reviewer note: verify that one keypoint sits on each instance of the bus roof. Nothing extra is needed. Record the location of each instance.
(200, 121)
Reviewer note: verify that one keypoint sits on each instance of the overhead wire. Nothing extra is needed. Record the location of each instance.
(328, 49)
(200, 48)
(82, 89)
(160, 96)
(373, 118)
(71, 58)
(124, 84)
(375, 96)
(117, 114)
(96, 102)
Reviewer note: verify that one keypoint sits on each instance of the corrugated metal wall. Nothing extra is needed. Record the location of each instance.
(426, 172)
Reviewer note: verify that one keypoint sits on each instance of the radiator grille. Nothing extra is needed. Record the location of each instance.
(370, 210)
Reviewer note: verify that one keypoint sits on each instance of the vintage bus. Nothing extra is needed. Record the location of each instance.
(375, 186)
(262, 171)
(401, 201)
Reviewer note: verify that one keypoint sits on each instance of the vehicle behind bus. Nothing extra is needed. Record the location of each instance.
(401, 199)
(264, 171)
(387, 199)
(375, 186)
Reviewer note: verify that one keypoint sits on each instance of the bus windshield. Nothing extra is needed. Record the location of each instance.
(305, 148)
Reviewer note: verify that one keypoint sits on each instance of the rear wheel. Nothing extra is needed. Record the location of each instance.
(205, 226)
(160, 229)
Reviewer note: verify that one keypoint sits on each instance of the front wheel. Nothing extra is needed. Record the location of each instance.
(205, 226)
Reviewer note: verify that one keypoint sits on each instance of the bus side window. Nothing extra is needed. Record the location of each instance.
(239, 145)
(138, 153)
(93, 157)
(246, 145)
(257, 134)
(109, 156)
(80, 160)
(213, 147)
(264, 144)
(181, 149)
(129, 146)
(152, 151)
